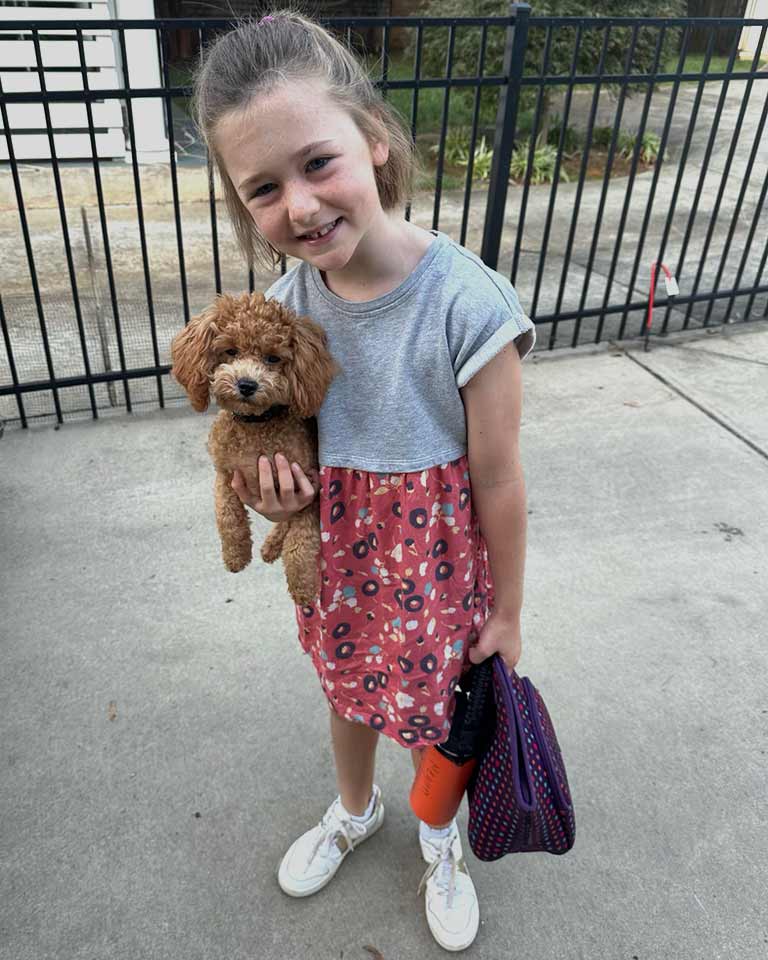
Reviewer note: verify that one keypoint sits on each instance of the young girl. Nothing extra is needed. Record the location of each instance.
(315, 165)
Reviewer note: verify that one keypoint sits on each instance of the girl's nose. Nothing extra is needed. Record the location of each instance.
(302, 206)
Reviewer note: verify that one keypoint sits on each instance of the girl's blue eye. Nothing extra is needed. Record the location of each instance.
(323, 160)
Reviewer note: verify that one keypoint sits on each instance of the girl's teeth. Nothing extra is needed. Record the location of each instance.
(321, 233)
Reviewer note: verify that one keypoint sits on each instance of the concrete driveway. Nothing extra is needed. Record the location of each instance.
(164, 739)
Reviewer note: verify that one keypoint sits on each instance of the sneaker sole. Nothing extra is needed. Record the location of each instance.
(450, 947)
(326, 880)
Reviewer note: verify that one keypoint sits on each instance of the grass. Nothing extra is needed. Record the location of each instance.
(695, 64)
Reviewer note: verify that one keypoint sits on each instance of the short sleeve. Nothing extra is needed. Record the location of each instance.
(476, 335)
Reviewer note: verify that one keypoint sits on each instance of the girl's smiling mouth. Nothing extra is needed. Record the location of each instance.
(323, 237)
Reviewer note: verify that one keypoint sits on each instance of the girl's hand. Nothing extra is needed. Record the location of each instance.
(295, 489)
(500, 634)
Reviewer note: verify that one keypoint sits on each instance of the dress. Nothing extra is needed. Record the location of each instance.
(405, 584)
(405, 588)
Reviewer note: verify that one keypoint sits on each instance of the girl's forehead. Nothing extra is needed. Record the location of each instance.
(276, 127)
(284, 116)
(299, 101)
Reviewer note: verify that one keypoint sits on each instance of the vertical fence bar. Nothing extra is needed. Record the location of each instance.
(529, 159)
(443, 128)
(737, 210)
(168, 101)
(745, 254)
(103, 217)
(678, 183)
(723, 180)
(64, 224)
(703, 172)
(30, 256)
(759, 274)
(415, 98)
(211, 194)
(633, 165)
(555, 185)
(504, 136)
(12, 365)
(582, 171)
(473, 136)
(140, 216)
(607, 177)
(385, 61)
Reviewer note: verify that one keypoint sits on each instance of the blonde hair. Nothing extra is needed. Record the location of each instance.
(256, 57)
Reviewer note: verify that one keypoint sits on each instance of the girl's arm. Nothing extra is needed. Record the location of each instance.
(493, 403)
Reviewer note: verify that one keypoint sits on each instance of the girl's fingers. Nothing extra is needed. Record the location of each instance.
(306, 487)
(267, 484)
(239, 485)
(285, 478)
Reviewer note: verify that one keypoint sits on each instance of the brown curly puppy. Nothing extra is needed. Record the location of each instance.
(268, 369)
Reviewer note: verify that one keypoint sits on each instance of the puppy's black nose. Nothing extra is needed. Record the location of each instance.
(247, 387)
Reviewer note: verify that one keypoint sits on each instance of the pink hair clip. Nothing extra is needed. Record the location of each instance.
(264, 20)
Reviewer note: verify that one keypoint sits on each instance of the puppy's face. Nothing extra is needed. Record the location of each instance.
(252, 354)
(252, 358)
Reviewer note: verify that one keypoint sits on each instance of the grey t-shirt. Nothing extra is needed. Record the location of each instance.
(396, 407)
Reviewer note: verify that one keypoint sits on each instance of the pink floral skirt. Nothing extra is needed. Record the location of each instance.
(405, 589)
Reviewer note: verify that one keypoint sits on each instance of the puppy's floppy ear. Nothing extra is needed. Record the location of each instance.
(193, 356)
(312, 367)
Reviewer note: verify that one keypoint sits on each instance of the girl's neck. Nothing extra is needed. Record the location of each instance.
(377, 268)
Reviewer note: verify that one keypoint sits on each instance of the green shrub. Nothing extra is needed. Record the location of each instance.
(601, 137)
(481, 168)
(456, 145)
(649, 148)
(457, 152)
(543, 166)
(572, 142)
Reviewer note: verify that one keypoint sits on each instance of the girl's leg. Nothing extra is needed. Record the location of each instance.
(354, 749)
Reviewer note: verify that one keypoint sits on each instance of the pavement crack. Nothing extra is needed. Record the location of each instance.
(695, 403)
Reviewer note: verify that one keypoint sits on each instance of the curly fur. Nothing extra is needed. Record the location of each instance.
(286, 358)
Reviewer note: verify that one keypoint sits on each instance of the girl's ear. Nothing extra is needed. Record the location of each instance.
(193, 356)
(312, 368)
(380, 153)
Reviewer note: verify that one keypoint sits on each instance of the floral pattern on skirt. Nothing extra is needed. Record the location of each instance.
(405, 589)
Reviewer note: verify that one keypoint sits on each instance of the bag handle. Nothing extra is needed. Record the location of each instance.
(522, 777)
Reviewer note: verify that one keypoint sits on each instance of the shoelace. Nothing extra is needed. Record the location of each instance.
(445, 862)
(329, 828)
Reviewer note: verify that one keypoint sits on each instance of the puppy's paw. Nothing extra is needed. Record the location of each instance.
(235, 560)
(306, 592)
(270, 551)
(304, 598)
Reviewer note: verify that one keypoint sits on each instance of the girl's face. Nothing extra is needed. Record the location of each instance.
(299, 163)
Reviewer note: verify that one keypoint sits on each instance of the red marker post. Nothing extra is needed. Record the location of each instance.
(672, 290)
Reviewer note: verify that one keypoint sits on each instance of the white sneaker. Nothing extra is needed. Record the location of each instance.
(451, 905)
(312, 861)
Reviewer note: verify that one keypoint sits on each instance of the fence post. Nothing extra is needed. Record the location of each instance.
(503, 138)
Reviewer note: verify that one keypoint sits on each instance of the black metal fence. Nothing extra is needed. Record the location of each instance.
(104, 260)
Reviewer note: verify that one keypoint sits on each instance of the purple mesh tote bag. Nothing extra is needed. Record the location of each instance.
(519, 801)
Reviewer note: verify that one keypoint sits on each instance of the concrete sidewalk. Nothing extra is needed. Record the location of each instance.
(165, 739)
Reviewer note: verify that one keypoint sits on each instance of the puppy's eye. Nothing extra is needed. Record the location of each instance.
(231, 353)
(271, 358)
